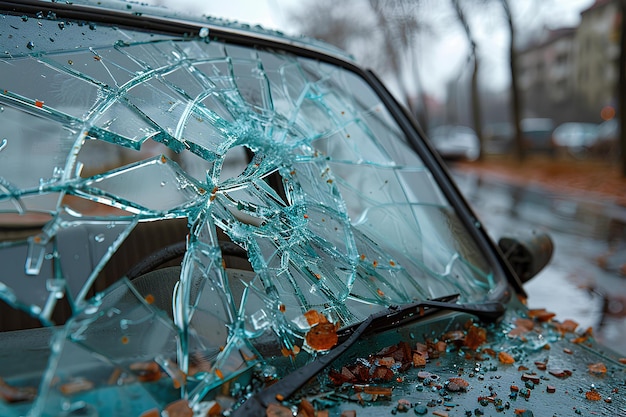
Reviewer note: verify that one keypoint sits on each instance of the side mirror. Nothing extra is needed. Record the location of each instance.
(527, 254)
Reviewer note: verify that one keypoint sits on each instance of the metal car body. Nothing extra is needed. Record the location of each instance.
(205, 218)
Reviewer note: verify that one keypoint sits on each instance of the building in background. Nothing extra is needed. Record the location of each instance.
(571, 74)
(547, 74)
(597, 55)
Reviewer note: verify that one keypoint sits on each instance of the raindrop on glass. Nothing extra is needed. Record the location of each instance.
(99, 238)
(3, 144)
(90, 310)
(30, 45)
(204, 32)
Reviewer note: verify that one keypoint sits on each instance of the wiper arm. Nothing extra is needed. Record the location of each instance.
(394, 316)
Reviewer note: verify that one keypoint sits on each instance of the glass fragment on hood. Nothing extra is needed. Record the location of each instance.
(295, 162)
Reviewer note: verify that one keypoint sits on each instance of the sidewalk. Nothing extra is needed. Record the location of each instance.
(582, 179)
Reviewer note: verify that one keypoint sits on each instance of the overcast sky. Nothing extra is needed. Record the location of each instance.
(441, 58)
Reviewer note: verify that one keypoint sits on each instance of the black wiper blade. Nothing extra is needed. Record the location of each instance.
(394, 316)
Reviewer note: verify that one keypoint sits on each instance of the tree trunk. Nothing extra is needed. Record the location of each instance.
(477, 108)
(622, 91)
(475, 97)
(515, 93)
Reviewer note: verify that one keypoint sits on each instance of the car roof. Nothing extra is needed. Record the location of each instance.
(149, 17)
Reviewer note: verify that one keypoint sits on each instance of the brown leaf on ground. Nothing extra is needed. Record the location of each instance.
(179, 408)
(593, 396)
(322, 336)
(475, 337)
(305, 409)
(597, 368)
(567, 326)
(505, 358)
(456, 384)
(418, 360)
(541, 314)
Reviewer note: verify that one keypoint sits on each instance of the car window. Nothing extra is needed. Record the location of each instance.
(293, 160)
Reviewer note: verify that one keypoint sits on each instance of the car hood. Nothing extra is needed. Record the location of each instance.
(528, 364)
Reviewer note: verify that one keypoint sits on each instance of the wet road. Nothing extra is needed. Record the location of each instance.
(583, 280)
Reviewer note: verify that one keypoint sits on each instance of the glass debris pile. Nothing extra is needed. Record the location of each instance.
(294, 160)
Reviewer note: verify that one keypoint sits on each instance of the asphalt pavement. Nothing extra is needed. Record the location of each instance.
(586, 279)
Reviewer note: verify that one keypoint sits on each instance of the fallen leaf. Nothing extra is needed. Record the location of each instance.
(505, 358)
(418, 360)
(560, 373)
(597, 368)
(179, 408)
(313, 317)
(525, 323)
(475, 337)
(593, 396)
(456, 384)
(540, 314)
(305, 409)
(376, 390)
(322, 337)
(568, 326)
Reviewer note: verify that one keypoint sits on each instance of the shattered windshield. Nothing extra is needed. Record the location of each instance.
(299, 205)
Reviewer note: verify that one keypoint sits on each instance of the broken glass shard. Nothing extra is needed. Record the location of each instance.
(157, 184)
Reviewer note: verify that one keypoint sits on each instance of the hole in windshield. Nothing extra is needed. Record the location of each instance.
(235, 162)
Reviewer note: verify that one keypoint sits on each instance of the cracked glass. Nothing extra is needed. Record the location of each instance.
(296, 199)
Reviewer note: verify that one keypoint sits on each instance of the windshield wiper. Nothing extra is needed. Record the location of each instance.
(394, 316)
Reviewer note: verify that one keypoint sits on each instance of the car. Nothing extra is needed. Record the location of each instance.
(454, 142)
(537, 135)
(204, 218)
(575, 138)
(606, 145)
(499, 138)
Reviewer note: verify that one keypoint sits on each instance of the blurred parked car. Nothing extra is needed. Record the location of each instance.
(298, 249)
(537, 135)
(606, 145)
(498, 138)
(454, 142)
(575, 138)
